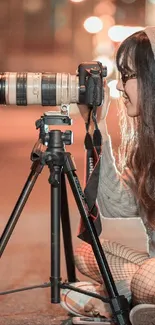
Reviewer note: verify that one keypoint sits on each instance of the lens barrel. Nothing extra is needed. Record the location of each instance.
(46, 89)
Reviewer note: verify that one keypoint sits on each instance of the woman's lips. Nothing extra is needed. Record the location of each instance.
(126, 100)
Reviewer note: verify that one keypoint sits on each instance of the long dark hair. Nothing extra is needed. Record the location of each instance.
(138, 145)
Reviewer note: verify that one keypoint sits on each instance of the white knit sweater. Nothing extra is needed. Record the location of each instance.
(115, 195)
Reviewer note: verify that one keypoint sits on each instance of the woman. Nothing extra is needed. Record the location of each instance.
(129, 192)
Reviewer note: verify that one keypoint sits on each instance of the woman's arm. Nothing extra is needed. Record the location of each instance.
(115, 197)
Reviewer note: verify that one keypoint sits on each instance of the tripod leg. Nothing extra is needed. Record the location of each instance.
(119, 304)
(35, 171)
(55, 181)
(96, 245)
(66, 229)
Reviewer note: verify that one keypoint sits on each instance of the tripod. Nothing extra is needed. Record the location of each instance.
(60, 163)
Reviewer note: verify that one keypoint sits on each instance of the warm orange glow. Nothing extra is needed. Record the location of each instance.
(105, 7)
(108, 21)
(93, 25)
(104, 47)
(32, 6)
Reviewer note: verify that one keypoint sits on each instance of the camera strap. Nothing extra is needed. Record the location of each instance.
(93, 147)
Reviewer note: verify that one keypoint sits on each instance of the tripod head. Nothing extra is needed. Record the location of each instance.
(51, 118)
(51, 142)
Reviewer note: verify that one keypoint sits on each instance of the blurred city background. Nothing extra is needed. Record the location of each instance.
(52, 36)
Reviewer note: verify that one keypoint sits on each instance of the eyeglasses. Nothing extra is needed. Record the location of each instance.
(125, 77)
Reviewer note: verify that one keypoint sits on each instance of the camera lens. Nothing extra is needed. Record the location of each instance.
(46, 89)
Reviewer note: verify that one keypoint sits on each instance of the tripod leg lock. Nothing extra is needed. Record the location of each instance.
(52, 180)
(55, 281)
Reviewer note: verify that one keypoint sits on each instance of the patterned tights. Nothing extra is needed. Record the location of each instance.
(133, 272)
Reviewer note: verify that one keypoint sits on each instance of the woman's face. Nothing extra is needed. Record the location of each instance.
(129, 94)
(127, 84)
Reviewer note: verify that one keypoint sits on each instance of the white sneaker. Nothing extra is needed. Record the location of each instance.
(143, 314)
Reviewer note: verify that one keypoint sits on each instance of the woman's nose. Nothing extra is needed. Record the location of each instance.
(119, 85)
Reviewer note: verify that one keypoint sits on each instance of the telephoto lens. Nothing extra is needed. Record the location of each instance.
(54, 89)
(46, 89)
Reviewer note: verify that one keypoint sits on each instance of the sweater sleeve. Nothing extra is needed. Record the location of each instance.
(115, 197)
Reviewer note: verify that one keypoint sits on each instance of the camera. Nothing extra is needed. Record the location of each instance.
(54, 89)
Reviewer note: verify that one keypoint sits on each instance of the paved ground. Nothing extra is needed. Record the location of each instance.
(26, 259)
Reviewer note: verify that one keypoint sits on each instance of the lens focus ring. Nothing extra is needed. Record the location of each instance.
(2, 89)
(21, 89)
(48, 87)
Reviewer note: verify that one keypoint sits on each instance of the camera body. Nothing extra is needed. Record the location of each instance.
(54, 89)
(91, 76)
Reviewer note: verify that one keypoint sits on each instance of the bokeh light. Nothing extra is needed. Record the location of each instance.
(114, 93)
(118, 33)
(76, 0)
(93, 25)
(152, 1)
